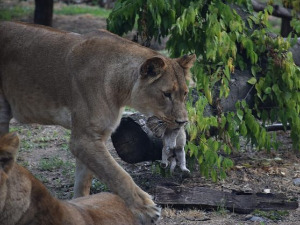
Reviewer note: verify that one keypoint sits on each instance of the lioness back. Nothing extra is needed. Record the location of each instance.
(28, 51)
(37, 65)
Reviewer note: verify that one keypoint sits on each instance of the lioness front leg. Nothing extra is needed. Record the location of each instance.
(91, 150)
(83, 179)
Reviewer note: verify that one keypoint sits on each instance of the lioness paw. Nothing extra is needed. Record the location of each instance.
(145, 209)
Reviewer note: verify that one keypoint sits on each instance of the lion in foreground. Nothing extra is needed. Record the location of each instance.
(83, 83)
(25, 200)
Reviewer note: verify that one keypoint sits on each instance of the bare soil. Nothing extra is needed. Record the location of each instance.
(44, 151)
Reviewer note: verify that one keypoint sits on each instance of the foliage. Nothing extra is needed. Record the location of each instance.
(222, 41)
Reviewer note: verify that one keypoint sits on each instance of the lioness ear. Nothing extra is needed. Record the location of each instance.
(152, 68)
(187, 61)
(9, 145)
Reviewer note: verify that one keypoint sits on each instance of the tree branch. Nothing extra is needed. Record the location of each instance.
(278, 10)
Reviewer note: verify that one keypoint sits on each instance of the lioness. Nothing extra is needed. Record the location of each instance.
(83, 83)
(25, 200)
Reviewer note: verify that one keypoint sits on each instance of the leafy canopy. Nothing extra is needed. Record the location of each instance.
(223, 41)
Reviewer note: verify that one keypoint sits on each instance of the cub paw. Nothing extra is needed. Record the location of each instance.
(186, 173)
(164, 165)
(145, 210)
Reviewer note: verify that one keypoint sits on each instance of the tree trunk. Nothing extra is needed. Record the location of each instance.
(285, 27)
(43, 12)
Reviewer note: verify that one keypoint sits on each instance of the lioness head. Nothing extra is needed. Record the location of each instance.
(161, 89)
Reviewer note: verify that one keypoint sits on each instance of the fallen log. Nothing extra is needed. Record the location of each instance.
(204, 197)
(134, 142)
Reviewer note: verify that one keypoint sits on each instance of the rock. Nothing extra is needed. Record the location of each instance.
(248, 217)
(257, 219)
(267, 191)
(296, 182)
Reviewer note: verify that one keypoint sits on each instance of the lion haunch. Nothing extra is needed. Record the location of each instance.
(25, 200)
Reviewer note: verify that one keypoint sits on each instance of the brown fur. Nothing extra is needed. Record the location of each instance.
(25, 200)
(83, 82)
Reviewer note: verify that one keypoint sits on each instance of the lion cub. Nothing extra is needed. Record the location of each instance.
(25, 200)
(173, 144)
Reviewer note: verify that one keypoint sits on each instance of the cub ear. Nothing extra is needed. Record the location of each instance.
(153, 68)
(186, 61)
(9, 144)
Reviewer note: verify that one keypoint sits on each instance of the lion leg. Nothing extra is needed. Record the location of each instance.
(164, 157)
(90, 148)
(173, 164)
(180, 155)
(83, 179)
(5, 114)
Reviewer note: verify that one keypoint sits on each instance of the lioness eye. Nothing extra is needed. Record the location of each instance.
(167, 95)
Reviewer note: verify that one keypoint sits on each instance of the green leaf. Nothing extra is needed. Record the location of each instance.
(252, 80)
(227, 150)
(215, 146)
(214, 175)
(269, 8)
(211, 157)
(268, 90)
(244, 103)
(226, 72)
(240, 114)
(243, 129)
(227, 163)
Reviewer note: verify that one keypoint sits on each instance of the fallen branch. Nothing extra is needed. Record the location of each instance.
(278, 10)
(239, 202)
(277, 126)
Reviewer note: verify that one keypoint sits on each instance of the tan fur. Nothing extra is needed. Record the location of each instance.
(83, 82)
(25, 200)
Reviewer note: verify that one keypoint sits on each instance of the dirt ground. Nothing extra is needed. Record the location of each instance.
(44, 151)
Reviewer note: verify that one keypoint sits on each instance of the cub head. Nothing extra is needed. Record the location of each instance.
(161, 89)
(9, 144)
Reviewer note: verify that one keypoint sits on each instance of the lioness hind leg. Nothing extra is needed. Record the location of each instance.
(83, 179)
(5, 114)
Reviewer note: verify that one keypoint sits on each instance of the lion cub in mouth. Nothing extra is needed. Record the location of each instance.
(25, 200)
(173, 144)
